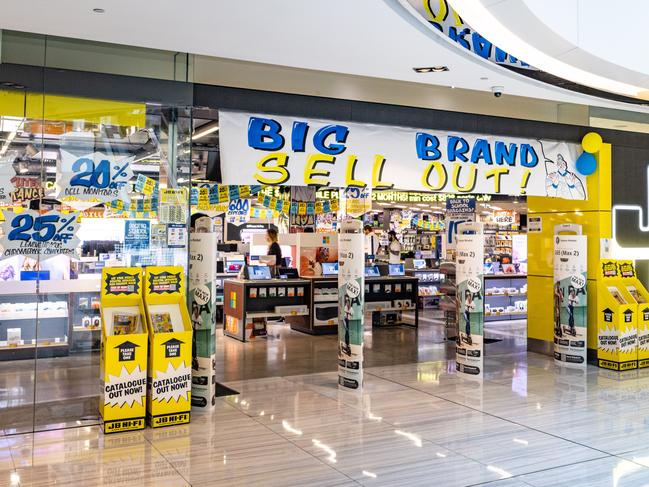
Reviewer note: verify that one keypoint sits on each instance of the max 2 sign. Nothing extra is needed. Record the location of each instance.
(278, 150)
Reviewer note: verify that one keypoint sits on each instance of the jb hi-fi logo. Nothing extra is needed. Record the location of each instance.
(126, 351)
(172, 348)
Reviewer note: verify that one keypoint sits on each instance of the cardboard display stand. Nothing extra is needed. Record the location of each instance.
(621, 301)
(170, 344)
(626, 271)
(123, 357)
(469, 352)
(570, 295)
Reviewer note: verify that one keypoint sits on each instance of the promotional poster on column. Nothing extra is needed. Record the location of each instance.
(351, 282)
(570, 311)
(470, 296)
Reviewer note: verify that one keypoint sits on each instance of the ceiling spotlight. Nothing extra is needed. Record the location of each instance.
(431, 69)
(98, 10)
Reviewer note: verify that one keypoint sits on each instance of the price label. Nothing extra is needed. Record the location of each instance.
(94, 177)
(32, 234)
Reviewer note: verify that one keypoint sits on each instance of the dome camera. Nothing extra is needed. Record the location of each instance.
(497, 91)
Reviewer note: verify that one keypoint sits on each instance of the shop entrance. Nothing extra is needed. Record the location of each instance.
(408, 319)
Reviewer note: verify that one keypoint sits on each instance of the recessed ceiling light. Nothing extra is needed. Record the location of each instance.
(98, 10)
(484, 78)
(431, 69)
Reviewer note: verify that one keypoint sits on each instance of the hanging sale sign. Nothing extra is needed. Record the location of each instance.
(94, 177)
(34, 235)
(279, 150)
(570, 297)
(355, 201)
(238, 212)
(469, 352)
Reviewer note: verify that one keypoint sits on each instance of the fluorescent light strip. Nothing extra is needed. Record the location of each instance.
(482, 20)
(204, 132)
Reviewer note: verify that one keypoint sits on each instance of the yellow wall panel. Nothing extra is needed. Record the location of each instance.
(594, 216)
(66, 108)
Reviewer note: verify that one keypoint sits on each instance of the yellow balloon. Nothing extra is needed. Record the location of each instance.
(591, 142)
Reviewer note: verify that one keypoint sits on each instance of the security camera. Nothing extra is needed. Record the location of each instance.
(497, 91)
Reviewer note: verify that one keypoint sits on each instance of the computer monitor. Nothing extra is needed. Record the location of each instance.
(330, 268)
(259, 272)
(396, 270)
(372, 271)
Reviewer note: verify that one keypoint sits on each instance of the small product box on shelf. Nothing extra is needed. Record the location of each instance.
(123, 357)
(170, 344)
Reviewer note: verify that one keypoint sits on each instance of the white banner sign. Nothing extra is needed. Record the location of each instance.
(279, 150)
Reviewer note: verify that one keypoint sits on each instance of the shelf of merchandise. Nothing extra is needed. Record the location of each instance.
(427, 300)
(504, 280)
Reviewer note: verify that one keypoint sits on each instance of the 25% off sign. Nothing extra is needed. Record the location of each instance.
(94, 177)
(32, 235)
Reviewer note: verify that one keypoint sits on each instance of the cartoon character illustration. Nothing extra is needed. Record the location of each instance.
(561, 182)
(558, 299)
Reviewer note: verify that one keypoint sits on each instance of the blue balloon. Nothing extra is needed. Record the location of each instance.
(586, 164)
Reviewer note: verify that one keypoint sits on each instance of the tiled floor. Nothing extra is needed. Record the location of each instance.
(527, 423)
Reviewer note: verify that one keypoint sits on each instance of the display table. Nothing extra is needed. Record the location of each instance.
(383, 295)
(247, 304)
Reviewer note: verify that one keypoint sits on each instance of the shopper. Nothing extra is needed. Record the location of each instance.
(394, 248)
(371, 241)
(273, 246)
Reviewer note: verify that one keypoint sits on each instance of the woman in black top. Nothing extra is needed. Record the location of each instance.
(273, 246)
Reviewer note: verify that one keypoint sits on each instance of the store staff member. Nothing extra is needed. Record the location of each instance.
(371, 241)
(394, 248)
(273, 246)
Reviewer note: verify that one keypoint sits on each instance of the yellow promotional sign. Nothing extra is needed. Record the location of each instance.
(170, 344)
(173, 196)
(123, 358)
(617, 331)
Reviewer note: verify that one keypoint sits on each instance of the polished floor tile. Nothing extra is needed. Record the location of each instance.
(528, 422)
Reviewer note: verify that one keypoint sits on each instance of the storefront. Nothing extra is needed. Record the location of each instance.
(93, 182)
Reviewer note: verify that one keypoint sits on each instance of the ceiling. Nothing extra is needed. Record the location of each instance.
(596, 43)
(372, 38)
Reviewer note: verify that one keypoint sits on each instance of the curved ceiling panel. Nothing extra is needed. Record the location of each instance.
(588, 42)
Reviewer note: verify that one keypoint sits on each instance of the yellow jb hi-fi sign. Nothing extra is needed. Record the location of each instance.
(123, 358)
(170, 347)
